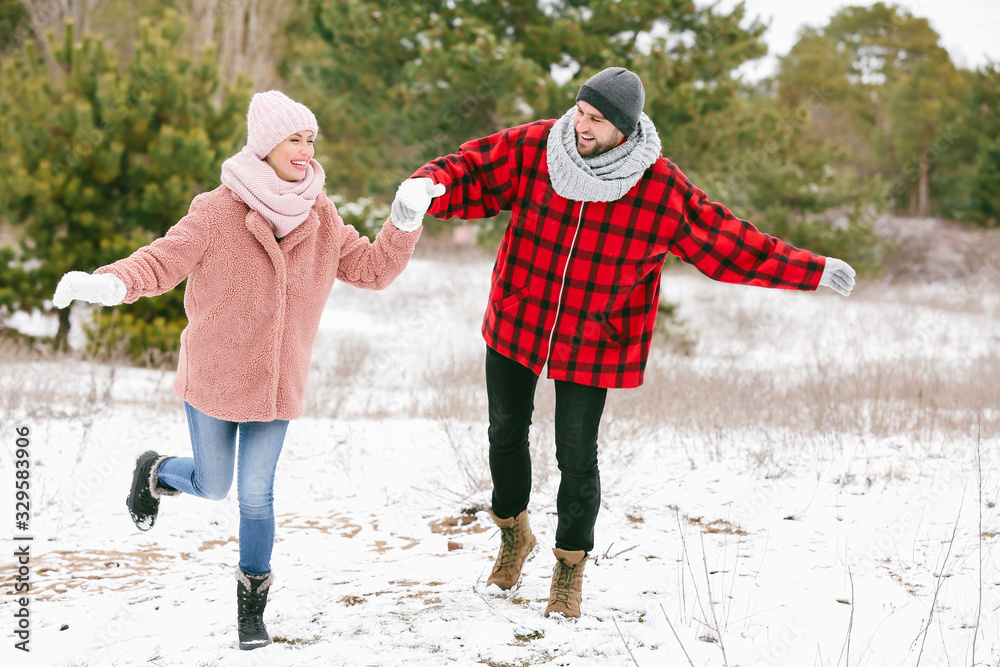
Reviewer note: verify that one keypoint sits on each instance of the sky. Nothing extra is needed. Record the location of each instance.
(969, 29)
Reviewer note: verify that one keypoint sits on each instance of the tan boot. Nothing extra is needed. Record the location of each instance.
(566, 591)
(516, 544)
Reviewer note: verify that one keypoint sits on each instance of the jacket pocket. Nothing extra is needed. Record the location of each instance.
(510, 301)
(615, 336)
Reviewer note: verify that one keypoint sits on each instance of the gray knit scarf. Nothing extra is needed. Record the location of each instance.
(605, 177)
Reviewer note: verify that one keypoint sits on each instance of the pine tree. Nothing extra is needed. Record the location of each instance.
(983, 179)
(14, 26)
(98, 160)
(889, 90)
(399, 83)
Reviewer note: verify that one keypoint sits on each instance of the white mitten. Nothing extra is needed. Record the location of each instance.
(413, 198)
(106, 289)
(838, 275)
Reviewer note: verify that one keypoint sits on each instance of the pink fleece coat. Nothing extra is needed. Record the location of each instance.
(254, 304)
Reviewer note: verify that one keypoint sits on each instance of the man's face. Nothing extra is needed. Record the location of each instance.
(594, 133)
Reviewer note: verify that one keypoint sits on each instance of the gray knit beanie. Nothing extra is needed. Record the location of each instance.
(618, 94)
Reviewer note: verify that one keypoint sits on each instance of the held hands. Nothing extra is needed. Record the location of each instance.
(106, 289)
(413, 198)
(838, 275)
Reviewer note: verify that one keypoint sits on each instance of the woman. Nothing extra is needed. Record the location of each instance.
(261, 253)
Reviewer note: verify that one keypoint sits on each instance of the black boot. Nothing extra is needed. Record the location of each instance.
(251, 598)
(144, 498)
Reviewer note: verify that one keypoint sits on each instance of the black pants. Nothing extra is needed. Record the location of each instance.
(511, 390)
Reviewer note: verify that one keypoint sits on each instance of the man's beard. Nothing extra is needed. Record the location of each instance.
(594, 149)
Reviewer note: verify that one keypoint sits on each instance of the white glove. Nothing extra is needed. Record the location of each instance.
(413, 198)
(106, 289)
(838, 275)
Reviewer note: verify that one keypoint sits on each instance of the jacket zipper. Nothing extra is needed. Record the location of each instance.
(562, 286)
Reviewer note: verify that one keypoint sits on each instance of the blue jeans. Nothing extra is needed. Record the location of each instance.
(510, 389)
(210, 475)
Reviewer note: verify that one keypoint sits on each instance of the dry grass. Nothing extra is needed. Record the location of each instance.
(936, 250)
(351, 600)
(882, 399)
(32, 388)
(38, 383)
(336, 379)
(923, 402)
(458, 391)
(459, 404)
(718, 526)
(59, 571)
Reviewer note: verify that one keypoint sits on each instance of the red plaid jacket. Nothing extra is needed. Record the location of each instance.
(576, 284)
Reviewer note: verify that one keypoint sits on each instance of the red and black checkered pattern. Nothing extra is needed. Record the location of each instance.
(595, 327)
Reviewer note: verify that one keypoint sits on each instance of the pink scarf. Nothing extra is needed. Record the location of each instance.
(284, 204)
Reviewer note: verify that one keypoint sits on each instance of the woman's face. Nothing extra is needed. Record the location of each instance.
(290, 157)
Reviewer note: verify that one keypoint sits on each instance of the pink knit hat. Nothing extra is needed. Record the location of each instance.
(272, 118)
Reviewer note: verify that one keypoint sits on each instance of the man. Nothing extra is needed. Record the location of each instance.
(595, 209)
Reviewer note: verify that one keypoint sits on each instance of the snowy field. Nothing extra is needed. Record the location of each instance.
(814, 484)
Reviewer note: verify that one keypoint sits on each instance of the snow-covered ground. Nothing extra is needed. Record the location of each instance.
(784, 495)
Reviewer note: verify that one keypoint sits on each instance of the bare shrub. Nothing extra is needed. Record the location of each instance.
(459, 404)
(457, 391)
(336, 378)
(780, 416)
(934, 250)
